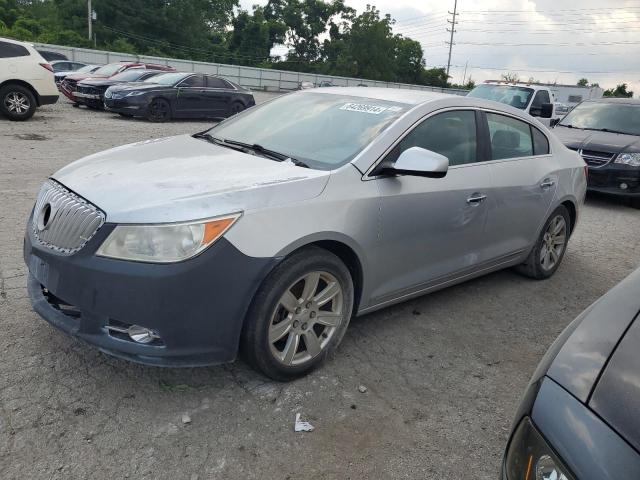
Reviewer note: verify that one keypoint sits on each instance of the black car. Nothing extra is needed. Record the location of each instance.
(606, 133)
(51, 56)
(579, 417)
(90, 92)
(179, 95)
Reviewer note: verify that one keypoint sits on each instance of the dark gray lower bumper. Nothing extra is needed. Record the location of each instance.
(197, 306)
(48, 99)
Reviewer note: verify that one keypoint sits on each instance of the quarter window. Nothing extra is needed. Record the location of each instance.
(452, 134)
(10, 50)
(510, 138)
(540, 142)
(193, 81)
(214, 82)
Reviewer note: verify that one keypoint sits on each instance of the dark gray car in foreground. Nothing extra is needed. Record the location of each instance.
(606, 132)
(579, 416)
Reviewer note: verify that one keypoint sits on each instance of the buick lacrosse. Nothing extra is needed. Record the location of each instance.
(268, 232)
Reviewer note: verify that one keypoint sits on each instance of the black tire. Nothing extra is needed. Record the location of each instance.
(534, 266)
(635, 202)
(75, 105)
(159, 110)
(236, 107)
(17, 103)
(266, 306)
(125, 115)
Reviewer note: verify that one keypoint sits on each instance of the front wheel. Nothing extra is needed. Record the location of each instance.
(17, 102)
(159, 110)
(235, 108)
(299, 314)
(549, 250)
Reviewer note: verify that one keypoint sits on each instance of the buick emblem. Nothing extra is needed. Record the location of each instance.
(44, 217)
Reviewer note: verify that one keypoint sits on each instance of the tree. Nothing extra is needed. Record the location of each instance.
(583, 82)
(253, 36)
(619, 91)
(510, 77)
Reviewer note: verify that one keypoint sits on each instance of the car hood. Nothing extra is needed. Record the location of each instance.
(101, 82)
(613, 143)
(144, 86)
(581, 359)
(182, 178)
(78, 77)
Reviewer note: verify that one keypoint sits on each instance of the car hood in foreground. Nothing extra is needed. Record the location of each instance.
(576, 138)
(182, 178)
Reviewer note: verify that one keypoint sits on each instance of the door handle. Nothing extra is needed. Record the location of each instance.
(547, 183)
(476, 199)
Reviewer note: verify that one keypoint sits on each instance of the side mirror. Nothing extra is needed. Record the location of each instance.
(419, 162)
(546, 110)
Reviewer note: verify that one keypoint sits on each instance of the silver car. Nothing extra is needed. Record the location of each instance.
(268, 232)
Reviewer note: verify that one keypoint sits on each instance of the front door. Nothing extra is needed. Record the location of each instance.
(433, 229)
(190, 97)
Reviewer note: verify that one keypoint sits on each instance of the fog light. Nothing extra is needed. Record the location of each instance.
(624, 186)
(141, 334)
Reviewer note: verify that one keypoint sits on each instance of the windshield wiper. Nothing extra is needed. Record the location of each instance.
(608, 130)
(247, 148)
(211, 139)
(260, 149)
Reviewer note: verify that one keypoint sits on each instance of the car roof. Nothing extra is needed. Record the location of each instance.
(17, 42)
(401, 95)
(628, 101)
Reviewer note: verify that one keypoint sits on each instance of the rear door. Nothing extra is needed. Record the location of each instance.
(218, 95)
(525, 178)
(433, 229)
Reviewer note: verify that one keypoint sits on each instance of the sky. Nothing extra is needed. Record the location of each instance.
(547, 40)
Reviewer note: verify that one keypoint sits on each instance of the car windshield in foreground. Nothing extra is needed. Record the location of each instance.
(167, 78)
(517, 97)
(324, 131)
(129, 75)
(108, 70)
(606, 117)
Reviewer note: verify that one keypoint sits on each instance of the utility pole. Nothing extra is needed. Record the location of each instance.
(464, 76)
(89, 18)
(453, 30)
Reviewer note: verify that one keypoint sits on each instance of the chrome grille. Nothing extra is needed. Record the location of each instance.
(596, 159)
(62, 220)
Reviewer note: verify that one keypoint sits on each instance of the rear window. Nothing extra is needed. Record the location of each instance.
(540, 142)
(10, 50)
(214, 82)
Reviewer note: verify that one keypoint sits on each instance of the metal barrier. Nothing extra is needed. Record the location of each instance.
(250, 77)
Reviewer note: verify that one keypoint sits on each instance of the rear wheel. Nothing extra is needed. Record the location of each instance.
(159, 110)
(299, 314)
(17, 102)
(635, 202)
(235, 107)
(549, 250)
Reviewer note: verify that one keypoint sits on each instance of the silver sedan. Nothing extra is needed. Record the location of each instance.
(268, 232)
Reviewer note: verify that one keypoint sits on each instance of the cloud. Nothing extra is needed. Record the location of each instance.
(544, 39)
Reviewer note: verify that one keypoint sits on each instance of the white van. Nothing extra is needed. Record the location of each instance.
(26, 80)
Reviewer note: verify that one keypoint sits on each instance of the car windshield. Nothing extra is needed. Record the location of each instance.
(108, 70)
(517, 97)
(129, 75)
(85, 69)
(615, 117)
(167, 78)
(324, 131)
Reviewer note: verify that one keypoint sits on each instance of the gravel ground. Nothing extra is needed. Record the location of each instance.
(443, 373)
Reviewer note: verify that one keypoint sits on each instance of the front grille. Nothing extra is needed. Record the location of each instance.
(89, 90)
(596, 159)
(70, 85)
(62, 220)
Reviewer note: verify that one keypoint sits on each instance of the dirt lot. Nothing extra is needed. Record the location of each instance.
(443, 373)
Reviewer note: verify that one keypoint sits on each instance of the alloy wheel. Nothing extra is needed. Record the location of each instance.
(159, 110)
(17, 102)
(306, 318)
(554, 241)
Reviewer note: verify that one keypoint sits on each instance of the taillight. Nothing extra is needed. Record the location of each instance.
(47, 66)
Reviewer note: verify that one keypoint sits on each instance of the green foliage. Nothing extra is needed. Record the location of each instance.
(583, 82)
(619, 91)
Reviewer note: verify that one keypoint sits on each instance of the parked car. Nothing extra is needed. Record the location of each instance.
(68, 86)
(606, 133)
(66, 66)
(179, 95)
(579, 415)
(26, 80)
(260, 232)
(325, 83)
(60, 76)
(305, 85)
(90, 92)
(51, 56)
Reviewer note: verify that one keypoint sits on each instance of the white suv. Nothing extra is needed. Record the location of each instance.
(26, 80)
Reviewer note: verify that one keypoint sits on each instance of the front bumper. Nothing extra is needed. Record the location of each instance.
(610, 179)
(197, 306)
(136, 105)
(90, 99)
(48, 99)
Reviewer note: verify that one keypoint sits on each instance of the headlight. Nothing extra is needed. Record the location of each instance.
(164, 243)
(631, 159)
(530, 458)
(135, 92)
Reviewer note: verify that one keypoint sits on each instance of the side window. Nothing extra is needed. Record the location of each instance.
(193, 81)
(541, 98)
(215, 82)
(540, 142)
(10, 50)
(510, 138)
(452, 134)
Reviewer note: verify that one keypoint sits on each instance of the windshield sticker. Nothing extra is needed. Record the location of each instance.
(395, 109)
(361, 107)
